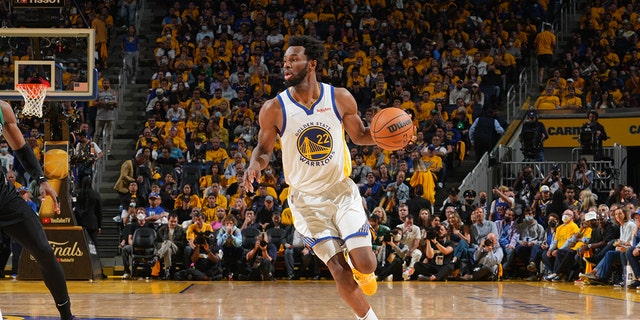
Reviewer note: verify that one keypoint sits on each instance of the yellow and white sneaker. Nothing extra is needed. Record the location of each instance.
(367, 282)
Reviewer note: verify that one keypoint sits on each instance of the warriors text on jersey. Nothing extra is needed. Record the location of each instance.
(314, 150)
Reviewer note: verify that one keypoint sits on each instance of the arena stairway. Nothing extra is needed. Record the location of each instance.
(127, 128)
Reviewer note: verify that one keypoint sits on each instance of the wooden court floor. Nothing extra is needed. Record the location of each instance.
(155, 299)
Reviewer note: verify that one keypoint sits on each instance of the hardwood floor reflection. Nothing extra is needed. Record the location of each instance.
(154, 299)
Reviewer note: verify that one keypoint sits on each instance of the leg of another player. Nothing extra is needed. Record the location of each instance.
(31, 236)
(347, 286)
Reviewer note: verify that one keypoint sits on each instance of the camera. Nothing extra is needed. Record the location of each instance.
(488, 243)
(263, 243)
(201, 237)
(386, 237)
(579, 167)
(432, 233)
(555, 173)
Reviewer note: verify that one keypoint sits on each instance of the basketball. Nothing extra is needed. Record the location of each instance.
(391, 128)
(56, 164)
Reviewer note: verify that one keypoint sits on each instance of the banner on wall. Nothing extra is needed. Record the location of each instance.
(563, 133)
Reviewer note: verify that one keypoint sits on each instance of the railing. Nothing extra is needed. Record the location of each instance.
(478, 178)
(618, 155)
(605, 177)
(511, 103)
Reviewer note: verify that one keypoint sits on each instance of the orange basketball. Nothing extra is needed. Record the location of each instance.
(56, 164)
(391, 128)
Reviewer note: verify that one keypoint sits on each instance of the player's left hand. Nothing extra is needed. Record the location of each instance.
(251, 174)
(47, 190)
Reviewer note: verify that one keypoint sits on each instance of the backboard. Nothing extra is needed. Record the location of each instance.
(64, 57)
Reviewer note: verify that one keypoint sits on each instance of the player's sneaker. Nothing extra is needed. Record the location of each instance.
(367, 282)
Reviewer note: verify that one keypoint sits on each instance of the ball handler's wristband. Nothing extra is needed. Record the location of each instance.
(30, 163)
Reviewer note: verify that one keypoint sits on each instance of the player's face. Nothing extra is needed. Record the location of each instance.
(295, 66)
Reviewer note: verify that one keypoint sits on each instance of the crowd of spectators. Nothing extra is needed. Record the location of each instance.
(446, 63)
(599, 69)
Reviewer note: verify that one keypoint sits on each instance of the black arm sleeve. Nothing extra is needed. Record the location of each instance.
(30, 163)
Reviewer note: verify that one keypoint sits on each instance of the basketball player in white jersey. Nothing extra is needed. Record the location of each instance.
(310, 118)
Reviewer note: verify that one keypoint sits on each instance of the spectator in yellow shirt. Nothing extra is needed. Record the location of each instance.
(571, 101)
(547, 101)
(425, 106)
(216, 154)
(578, 81)
(544, 43)
(561, 83)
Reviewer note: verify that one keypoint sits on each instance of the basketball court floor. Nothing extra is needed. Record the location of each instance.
(154, 299)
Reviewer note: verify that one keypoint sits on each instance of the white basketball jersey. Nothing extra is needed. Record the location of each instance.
(314, 150)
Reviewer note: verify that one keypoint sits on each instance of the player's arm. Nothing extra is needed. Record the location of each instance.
(24, 153)
(270, 120)
(10, 130)
(348, 109)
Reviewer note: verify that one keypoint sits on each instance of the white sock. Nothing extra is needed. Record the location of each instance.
(370, 315)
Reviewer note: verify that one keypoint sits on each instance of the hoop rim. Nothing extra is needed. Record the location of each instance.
(31, 85)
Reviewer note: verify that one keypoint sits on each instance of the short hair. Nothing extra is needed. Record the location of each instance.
(313, 48)
(228, 218)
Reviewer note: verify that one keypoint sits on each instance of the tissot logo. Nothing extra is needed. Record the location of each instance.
(38, 3)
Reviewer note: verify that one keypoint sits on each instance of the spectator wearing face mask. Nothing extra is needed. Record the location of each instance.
(564, 233)
(532, 234)
(6, 158)
(127, 244)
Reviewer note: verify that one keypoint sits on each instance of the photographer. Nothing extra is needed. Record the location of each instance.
(391, 256)
(592, 135)
(205, 262)
(230, 241)
(488, 256)
(581, 176)
(532, 136)
(259, 260)
(553, 180)
(86, 153)
(197, 227)
(438, 264)
(526, 185)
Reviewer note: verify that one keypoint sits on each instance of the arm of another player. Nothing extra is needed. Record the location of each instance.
(348, 109)
(25, 155)
(270, 120)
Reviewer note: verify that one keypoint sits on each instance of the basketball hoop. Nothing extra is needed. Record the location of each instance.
(33, 94)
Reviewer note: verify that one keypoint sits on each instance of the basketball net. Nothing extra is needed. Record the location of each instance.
(33, 94)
